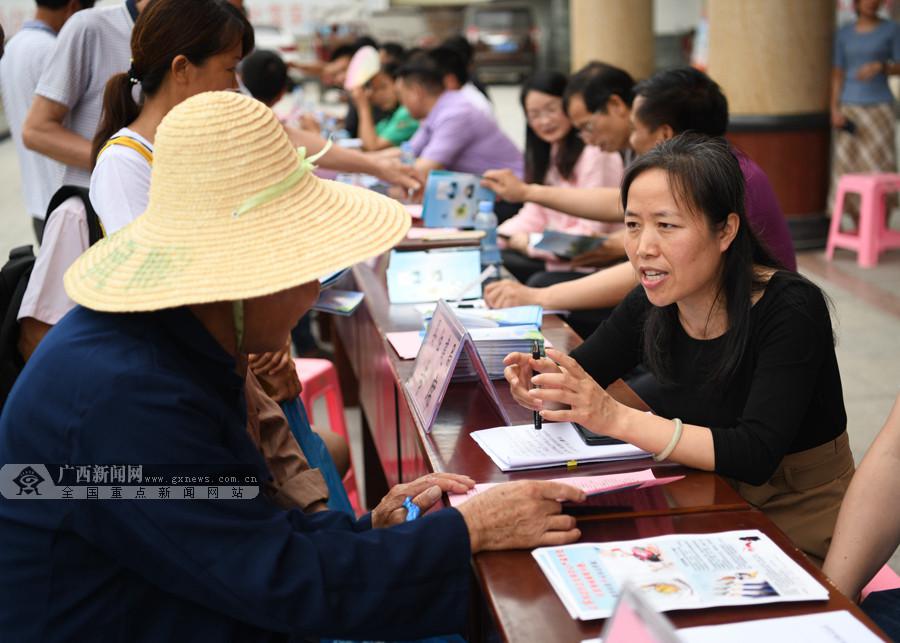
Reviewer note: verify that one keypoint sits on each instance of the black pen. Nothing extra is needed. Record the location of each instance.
(536, 354)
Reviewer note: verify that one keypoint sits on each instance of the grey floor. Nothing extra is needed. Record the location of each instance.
(866, 304)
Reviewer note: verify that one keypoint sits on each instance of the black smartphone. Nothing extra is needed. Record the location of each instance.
(592, 439)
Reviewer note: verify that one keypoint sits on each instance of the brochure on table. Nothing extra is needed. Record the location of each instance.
(445, 341)
(682, 571)
(591, 485)
(428, 275)
(451, 199)
(493, 344)
(338, 302)
(514, 448)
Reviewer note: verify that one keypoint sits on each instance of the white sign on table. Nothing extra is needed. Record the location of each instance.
(444, 343)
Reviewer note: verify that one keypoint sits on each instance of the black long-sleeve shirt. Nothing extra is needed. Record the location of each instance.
(785, 396)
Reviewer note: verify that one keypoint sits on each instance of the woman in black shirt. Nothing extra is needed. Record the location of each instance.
(743, 349)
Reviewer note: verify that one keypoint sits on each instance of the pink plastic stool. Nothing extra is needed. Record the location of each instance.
(319, 377)
(886, 578)
(874, 237)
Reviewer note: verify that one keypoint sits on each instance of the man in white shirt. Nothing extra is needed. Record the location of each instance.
(94, 45)
(20, 70)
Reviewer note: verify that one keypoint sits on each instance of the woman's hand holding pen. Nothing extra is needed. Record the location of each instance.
(518, 372)
(589, 405)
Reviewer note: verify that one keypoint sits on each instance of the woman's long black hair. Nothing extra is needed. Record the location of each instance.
(706, 179)
(537, 151)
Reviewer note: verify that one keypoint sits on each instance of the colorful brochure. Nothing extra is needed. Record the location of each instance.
(451, 199)
(567, 246)
(338, 302)
(675, 572)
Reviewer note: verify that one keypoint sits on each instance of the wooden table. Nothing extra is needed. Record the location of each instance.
(526, 608)
(519, 598)
(398, 449)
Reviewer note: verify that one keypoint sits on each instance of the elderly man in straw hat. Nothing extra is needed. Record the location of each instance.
(223, 262)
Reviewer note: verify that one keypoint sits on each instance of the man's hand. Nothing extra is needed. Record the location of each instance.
(507, 293)
(506, 185)
(521, 515)
(424, 491)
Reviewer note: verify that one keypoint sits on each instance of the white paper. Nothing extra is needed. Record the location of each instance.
(681, 571)
(824, 627)
(519, 447)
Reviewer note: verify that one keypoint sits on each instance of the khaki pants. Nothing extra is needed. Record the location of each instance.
(804, 496)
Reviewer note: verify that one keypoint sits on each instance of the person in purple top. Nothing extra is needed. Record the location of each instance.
(667, 104)
(453, 134)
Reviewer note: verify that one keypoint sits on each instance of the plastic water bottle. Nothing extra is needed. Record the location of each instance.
(406, 154)
(486, 220)
(329, 127)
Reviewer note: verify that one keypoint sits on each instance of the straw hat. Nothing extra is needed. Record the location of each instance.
(234, 212)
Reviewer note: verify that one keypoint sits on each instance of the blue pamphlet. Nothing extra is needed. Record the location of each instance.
(451, 199)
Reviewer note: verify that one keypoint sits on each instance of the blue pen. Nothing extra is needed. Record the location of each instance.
(412, 509)
(536, 354)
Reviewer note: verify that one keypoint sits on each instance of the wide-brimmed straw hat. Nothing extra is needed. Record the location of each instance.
(235, 212)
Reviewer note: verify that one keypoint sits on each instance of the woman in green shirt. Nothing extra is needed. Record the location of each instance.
(392, 130)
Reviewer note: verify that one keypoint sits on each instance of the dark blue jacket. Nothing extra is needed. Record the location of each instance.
(156, 389)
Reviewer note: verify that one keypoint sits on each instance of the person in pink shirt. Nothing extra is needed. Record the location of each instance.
(554, 155)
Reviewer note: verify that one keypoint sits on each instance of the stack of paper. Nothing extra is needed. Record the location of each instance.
(591, 485)
(493, 345)
(513, 448)
(493, 317)
(675, 572)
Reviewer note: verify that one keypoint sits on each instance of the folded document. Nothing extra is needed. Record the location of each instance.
(519, 447)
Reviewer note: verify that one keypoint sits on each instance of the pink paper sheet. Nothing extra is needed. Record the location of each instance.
(591, 485)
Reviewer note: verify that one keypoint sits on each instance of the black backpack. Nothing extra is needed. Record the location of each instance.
(14, 277)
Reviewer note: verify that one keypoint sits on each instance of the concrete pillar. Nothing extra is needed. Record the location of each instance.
(617, 32)
(773, 61)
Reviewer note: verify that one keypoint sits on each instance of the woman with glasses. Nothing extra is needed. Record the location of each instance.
(554, 155)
